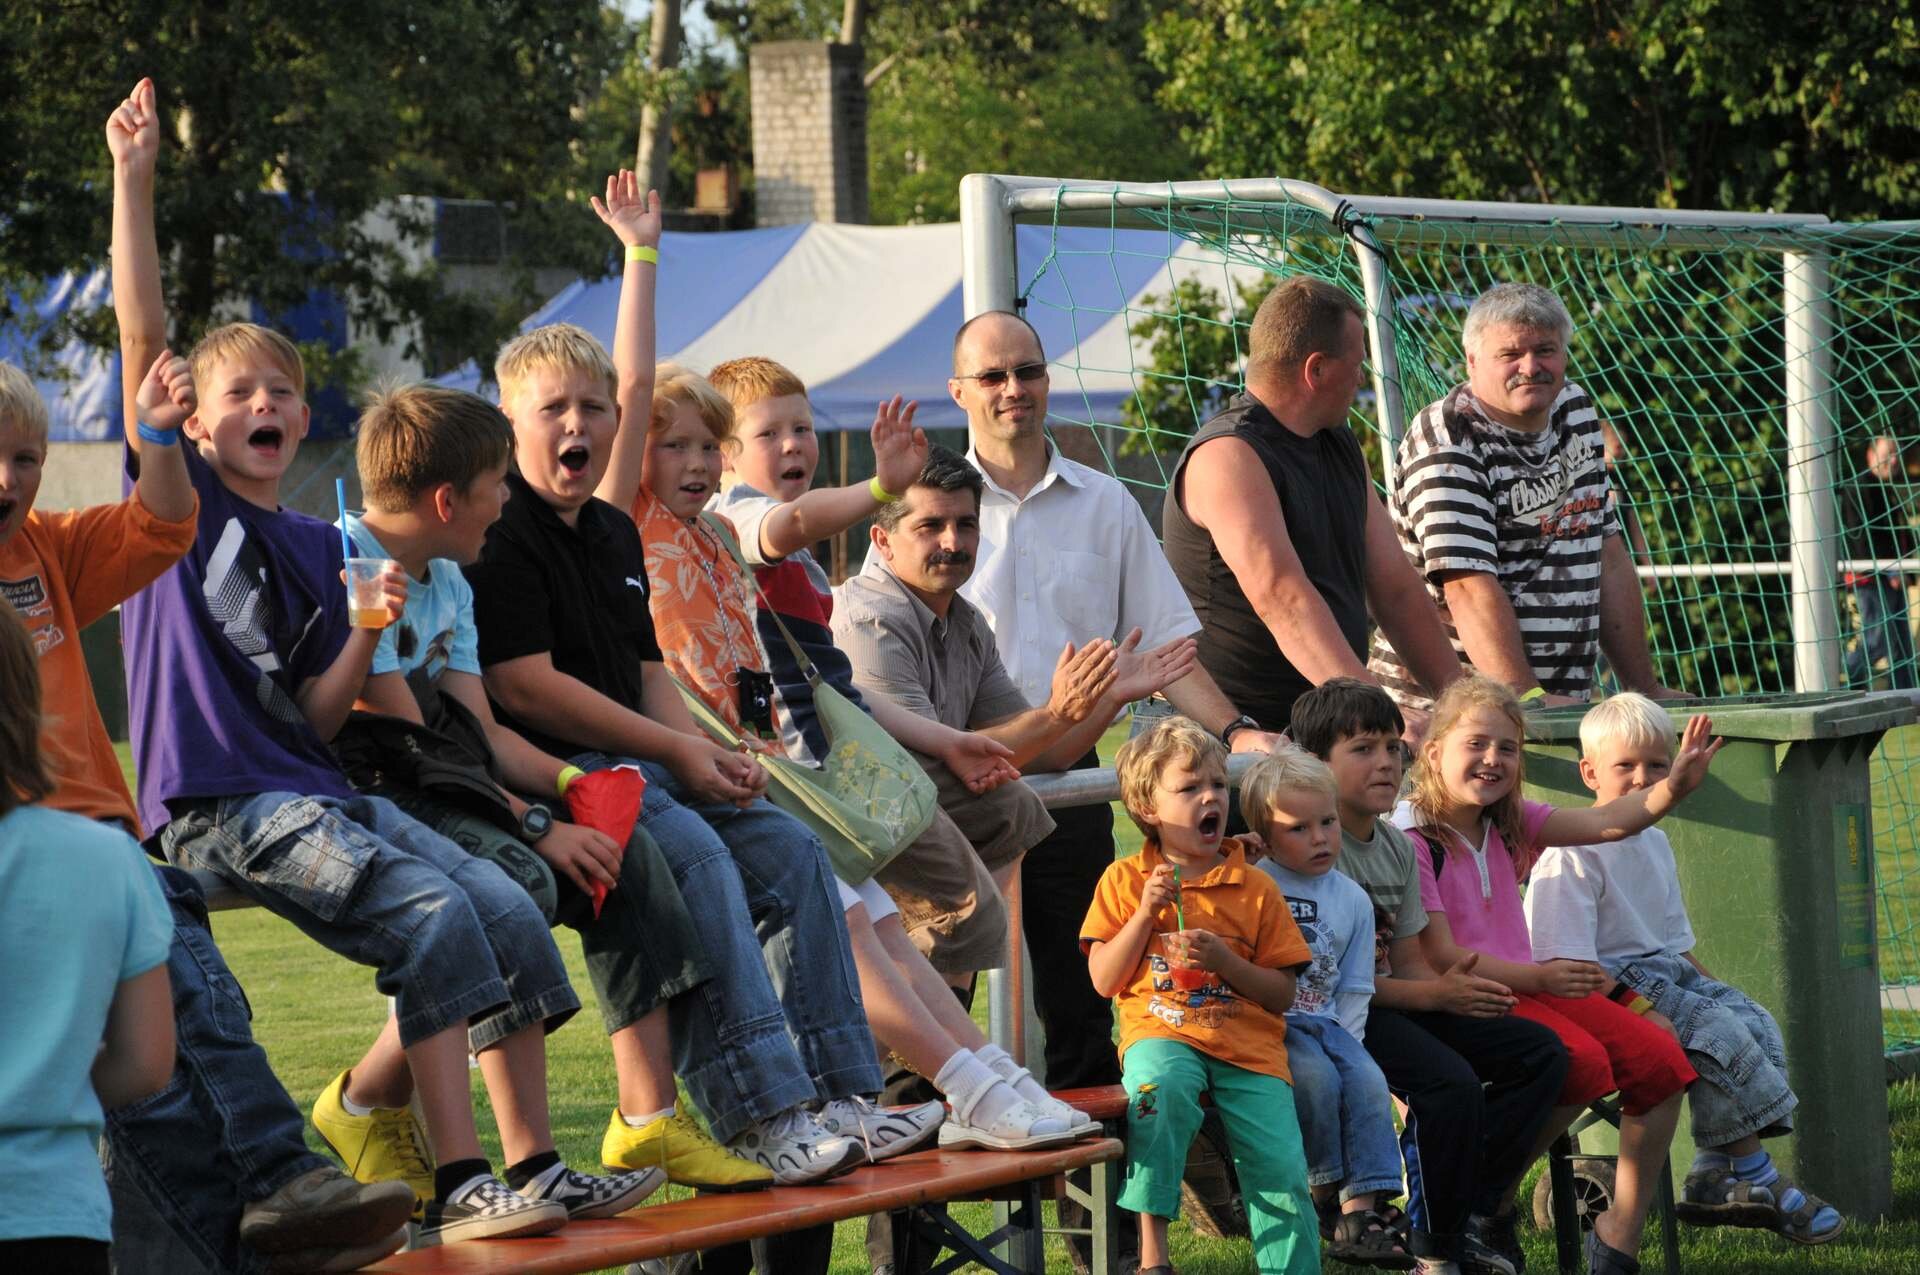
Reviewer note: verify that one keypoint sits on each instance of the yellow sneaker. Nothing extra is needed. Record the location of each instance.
(386, 1145)
(684, 1150)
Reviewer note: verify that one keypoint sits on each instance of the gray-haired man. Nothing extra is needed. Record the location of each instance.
(1501, 503)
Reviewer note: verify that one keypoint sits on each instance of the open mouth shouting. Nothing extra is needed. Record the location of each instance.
(1210, 825)
(7, 506)
(574, 458)
(268, 440)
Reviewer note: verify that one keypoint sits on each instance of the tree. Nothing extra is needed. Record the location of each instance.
(289, 127)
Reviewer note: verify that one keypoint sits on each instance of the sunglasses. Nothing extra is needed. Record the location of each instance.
(993, 378)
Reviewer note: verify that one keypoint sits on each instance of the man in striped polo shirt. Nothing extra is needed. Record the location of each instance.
(1501, 502)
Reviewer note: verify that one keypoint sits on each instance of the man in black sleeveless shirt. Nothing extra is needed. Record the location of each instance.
(1274, 529)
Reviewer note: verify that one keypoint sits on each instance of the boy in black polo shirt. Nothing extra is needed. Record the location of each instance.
(569, 657)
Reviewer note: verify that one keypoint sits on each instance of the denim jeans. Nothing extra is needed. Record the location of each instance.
(1884, 633)
(780, 1022)
(1345, 1112)
(449, 936)
(223, 1133)
(1732, 1042)
(641, 951)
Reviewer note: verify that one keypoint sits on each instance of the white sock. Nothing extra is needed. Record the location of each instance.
(963, 1075)
(641, 1122)
(351, 1107)
(1014, 1074)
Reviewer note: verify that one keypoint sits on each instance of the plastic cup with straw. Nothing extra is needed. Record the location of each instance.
(366, 607)
(1185, 977)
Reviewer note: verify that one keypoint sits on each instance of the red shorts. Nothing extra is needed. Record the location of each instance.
(1610, 1047)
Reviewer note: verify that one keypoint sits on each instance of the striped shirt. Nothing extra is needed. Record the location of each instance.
(1530, 508)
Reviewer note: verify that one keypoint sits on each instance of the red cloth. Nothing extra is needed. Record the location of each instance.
(607, 801)
(1610, 1047)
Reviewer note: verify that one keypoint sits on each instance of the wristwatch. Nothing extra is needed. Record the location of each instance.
(1242, 722)
(536, 823)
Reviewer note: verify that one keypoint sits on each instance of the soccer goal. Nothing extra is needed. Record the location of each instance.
(1743, 363)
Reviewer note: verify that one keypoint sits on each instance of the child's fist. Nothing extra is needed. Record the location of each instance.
(1207, 950)
(1160, 889)
(636, 219)
(165, 397)
(133, 130)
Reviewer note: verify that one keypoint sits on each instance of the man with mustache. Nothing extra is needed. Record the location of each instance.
(1502, 504)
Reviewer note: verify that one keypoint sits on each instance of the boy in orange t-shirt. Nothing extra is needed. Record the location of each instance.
(1200, 953)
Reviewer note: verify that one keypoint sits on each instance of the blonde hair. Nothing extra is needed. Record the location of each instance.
(1289, 769)
(1629, 717)
(557, 347)
(1429, 795)
(232, 342)
(23, 775)
(416, 437)
(749, 380)
(1167, 742)
(20, 402)
(675, 384)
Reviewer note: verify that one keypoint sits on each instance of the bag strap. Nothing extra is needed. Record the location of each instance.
(725, 537)
(1436, 851)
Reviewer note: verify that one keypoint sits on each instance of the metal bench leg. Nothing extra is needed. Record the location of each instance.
(1669, 1228)
(1022, 1245)
(1566, 1218)
(1104, 1213)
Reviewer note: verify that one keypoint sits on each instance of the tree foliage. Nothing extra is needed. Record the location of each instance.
(289, 125)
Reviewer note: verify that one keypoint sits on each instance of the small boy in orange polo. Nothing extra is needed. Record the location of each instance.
(1199, 951)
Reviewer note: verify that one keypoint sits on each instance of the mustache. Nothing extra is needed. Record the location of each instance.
(1515, 381)
(949, 558)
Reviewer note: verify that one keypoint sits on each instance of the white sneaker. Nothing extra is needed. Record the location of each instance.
(884, 1132)
(796, 1149)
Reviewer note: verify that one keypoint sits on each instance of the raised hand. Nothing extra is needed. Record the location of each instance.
(636, 219)
(899, 450)
(978, 761)
(1138, 674)
(166, 396)
(1464, 992)
(1695, 755)
(1081, 679)
(133, 130)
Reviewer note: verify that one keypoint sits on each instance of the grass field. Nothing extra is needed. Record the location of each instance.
(314, 1013)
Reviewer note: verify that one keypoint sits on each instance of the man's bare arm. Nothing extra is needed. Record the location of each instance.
(1483, 615)
(1226, 491)
(1623, 619)
(1401, 606)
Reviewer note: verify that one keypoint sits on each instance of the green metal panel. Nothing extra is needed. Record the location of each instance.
(1775, 854)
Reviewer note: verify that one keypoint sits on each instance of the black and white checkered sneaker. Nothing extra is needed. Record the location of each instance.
(885, 1132)
(587, 1196)
(485, 1208)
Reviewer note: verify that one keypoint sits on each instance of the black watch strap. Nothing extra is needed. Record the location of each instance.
(1240, 723)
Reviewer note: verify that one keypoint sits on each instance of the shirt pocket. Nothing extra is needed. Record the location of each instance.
(1084, 588)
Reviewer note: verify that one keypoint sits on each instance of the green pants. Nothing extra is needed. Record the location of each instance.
(1164, 1080)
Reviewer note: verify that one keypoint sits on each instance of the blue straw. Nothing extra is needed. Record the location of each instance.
(340, 495)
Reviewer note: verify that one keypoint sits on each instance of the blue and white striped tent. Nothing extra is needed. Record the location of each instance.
(859, 312)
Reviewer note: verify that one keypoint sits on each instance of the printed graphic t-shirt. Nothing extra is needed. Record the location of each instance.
(1336, 920)
(218, 647)
(1383, 866)
(1236, 902)
(61, 572)
(436, 631)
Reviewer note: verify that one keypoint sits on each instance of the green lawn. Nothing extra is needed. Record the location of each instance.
(314, 1013)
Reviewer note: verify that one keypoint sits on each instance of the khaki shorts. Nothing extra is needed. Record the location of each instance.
(943, 881)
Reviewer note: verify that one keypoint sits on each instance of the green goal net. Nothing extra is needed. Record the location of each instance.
(1683, 341)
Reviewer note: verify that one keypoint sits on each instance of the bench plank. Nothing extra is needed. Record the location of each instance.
(708, 1221)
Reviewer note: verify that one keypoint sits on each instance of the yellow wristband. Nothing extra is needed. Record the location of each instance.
(1639, 1004)
(567, 775)
(640, 252)
(878, 492)
(1538, 692)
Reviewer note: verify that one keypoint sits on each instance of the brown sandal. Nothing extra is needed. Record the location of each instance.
(1365, 1239)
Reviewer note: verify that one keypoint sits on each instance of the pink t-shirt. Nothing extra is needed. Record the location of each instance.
(1480, 893)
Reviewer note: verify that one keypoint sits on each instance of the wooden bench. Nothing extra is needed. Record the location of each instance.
(903, 1186)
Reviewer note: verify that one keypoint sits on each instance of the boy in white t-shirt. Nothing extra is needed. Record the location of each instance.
(1620, 905)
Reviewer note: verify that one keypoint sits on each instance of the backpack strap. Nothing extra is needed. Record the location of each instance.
(1437, 852)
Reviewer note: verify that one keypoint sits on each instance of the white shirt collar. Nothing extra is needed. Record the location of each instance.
(1058, 467)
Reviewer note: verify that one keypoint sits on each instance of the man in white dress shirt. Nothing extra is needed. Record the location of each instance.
(1066, 555)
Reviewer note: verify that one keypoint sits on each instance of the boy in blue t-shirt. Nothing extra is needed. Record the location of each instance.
(240, 667)
(1346, 1114)
(433, 464)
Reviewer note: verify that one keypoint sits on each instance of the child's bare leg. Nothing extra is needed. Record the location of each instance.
(1744, 1146)
(1556, 1125)
(1153, 1242)
(1359, 1203)
(439, 1066)
(1643, 1149)
(381, 1077)
(643, 1064)
(516, 1075)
